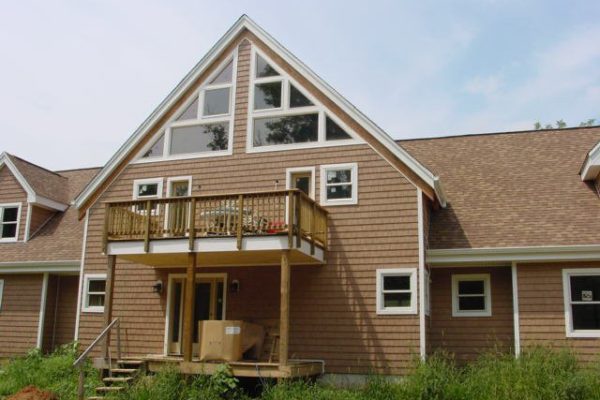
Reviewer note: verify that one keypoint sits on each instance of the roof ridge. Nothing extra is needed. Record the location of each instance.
(59, 171)
(548, 131)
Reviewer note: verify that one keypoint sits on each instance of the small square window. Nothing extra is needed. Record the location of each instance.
(216, 101)
(339, 184)
(471, 295)
(396, 291)
(94, 293)
(267, 95)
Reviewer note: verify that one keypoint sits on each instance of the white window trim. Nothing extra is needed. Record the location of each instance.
(570, 332)
(381, 273)
(353, 181)
(172, 179)
(1, 292)
(84, 306)
(138, 182)
(285, 110)
(201, 120)
(311, 170)
(487, 289)
(9, 205)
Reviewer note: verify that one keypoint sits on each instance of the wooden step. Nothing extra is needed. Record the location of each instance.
(107, 389)
(118, 379)
(95, 398)
(126, 361)
(129, 371)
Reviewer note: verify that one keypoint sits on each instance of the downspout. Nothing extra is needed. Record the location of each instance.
(422, 337)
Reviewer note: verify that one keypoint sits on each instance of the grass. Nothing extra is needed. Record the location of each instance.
(54, 372)
(540, 373)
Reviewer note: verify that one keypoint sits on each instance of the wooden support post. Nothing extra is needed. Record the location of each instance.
(188, 308)
(192, 223)
(298, 203)
(290, 218)
(108, 300)
(313, 217)
(284, 309)
(147, 228)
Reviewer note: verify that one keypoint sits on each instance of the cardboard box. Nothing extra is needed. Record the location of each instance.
(229, 340)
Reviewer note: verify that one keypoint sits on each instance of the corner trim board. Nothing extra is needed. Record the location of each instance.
(44, 295)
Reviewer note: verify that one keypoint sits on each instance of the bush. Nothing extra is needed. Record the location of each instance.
(54, 372)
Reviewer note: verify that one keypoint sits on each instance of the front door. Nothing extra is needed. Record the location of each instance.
(209, 304)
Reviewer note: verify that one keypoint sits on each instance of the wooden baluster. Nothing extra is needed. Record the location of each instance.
(240, 221)
(148, 222)
(313, 216)
(290, 218)
(192, 224)
(298, 221)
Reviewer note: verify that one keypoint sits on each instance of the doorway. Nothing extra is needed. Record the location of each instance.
(302, 178)
(209, 304)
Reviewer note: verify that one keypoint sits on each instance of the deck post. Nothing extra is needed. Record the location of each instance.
(188, 308)
(108, 300)
(284, 309)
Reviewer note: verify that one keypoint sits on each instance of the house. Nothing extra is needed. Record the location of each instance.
(40, 255)
(256, 192)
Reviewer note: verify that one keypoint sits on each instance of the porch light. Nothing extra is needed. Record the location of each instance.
(234, 286)
(157, 287)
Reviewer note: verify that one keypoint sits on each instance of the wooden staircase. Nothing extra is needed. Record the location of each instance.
(120, 378)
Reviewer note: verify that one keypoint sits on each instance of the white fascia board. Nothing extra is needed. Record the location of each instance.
(34, 267)
(47, 203)
(507, 255)
(206, 61)
(591, 166)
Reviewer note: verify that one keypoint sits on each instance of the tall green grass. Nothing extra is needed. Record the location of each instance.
(54, 373)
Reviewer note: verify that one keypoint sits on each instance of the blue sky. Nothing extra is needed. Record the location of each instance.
(77, 77)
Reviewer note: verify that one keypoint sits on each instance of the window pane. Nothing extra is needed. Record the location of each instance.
(10, 214)
(396, 283)
(297, 99)
(263, 69)
(96, 300)
(180, 189)
(470, 287)
(157, 148)
(396, 300)
(586, 316)
(199, 138)
(216, 101)
(225, 75)
(191, 112)
(9, 230)
(97, 285)
(282, 130)
(476, 303)
(148, 189)
(267, 95)
(339, 176)
(339, 192)
(333, 131)
(303, 183)
(585, 288)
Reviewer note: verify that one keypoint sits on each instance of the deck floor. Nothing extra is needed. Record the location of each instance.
(244, 368)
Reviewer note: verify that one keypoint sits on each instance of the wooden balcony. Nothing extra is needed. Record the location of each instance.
(226, 223)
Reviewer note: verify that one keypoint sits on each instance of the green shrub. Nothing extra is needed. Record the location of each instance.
(53, 372)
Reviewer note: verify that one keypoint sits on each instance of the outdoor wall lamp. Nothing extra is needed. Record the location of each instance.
(234, 286)
(157, 287)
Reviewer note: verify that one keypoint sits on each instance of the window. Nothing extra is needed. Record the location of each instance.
(581, 289)
(204, 125)
(9, 222)
(339, 184)
(94, 293)
(1, 292)
(283, 115)
(397, 291)
(471, 295)
(151, 188)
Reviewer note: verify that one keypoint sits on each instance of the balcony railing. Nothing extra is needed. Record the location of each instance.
(282, 212)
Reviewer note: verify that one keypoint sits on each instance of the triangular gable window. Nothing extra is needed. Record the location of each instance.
(297, 99)
(334, 132)
(157, 148)
(191, 112)
(263, 69)
(225, 75)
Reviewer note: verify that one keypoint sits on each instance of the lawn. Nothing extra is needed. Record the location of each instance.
(539, 373)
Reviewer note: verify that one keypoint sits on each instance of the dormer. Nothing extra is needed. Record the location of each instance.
(590, 170)
(29, 197)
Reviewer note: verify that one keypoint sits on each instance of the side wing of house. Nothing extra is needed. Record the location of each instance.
(254, 124)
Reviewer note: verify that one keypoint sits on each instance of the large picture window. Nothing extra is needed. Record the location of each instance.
(9, 222)
(582, 302)
(203, 127)
(283, 115)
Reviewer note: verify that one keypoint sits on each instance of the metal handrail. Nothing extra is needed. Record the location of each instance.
(80, 362)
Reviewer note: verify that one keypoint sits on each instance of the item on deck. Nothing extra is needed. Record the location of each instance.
(229, 340)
